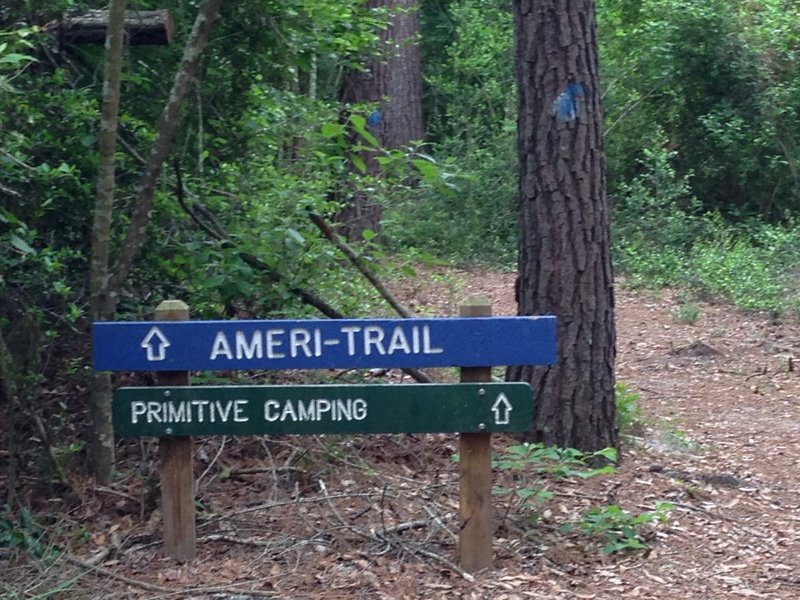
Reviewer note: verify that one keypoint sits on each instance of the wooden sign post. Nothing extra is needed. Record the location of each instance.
(475, 465)
(174, 411)
(177, 474)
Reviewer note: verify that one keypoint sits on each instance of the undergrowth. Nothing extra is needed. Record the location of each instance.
(534, 464)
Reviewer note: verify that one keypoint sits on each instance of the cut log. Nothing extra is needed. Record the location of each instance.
(142, 27)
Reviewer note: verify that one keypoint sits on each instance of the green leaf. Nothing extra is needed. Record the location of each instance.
(609, 454)
(295, 235)
(359, 124)
(359, 163)
(409, 271)
(331, 130)
(15, 58)
(21, 245)
(428, 169)
(368, 234)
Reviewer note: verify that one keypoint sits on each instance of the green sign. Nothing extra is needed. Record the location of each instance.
(246, 410)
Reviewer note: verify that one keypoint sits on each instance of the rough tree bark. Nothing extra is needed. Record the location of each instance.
(564, 248)
(393, 82)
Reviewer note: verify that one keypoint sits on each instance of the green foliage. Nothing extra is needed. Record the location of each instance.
(687, 312)
(619, 529)
(722, 79)
(655, 220)
(661, 236)
(22, 533)
(629, 414)
(13, 59)
(531, 462)
(472, 106)
(751, 268)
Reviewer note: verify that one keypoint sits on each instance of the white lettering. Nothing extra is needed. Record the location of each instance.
(252, 350)
(299, 340)
(398, 342)
(314, 409)
(373, 336)
(154, 412)
(137, 410)
(415, 339)
(269, 407)
(323, 406)
(239, 407)
(222, 412)
(200, 405)
(426, 342)
(359, 409)
(288, 410)
(350, 331)
(342, 411)
(317, 342)
(306, 412)
(175, 414)
(273, 344)
(221, 346)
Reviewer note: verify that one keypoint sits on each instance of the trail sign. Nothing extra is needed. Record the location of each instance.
(322, 344)
(311, 409)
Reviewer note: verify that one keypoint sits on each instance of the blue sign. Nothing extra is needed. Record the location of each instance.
(323, 344)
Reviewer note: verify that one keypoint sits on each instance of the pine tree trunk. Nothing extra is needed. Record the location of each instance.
(393, 82)
(564, 249)
(402, 122)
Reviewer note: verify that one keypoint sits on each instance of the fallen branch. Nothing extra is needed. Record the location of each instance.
(172, 592)
(359, 263)
(250, 509)
(88, 564)
(217, 232)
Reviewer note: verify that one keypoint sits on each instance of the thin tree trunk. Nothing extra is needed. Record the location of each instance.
(101, 442)
(564, 249)
(105, 285)
(162, 145)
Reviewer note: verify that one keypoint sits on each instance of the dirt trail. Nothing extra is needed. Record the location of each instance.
(376, 516)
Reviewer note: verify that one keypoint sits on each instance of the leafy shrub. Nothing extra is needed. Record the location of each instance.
(629, 415)
(530, 462)
(619, 529)
(21, 532)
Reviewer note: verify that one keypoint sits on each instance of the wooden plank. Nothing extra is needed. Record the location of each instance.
(142, 27)
(177, 474)
(475, 467)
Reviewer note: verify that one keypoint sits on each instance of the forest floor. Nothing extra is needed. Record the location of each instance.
(327, 517)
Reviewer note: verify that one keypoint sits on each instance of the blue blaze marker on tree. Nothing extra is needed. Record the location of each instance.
(322, 344)
(566, 105)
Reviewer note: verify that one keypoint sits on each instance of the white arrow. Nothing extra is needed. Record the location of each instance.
(502, 410)
(156, 344)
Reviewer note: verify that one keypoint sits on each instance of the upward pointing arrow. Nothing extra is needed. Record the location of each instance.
(502, 410)
(156, 344)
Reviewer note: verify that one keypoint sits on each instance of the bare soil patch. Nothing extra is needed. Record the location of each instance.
(377, 516)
